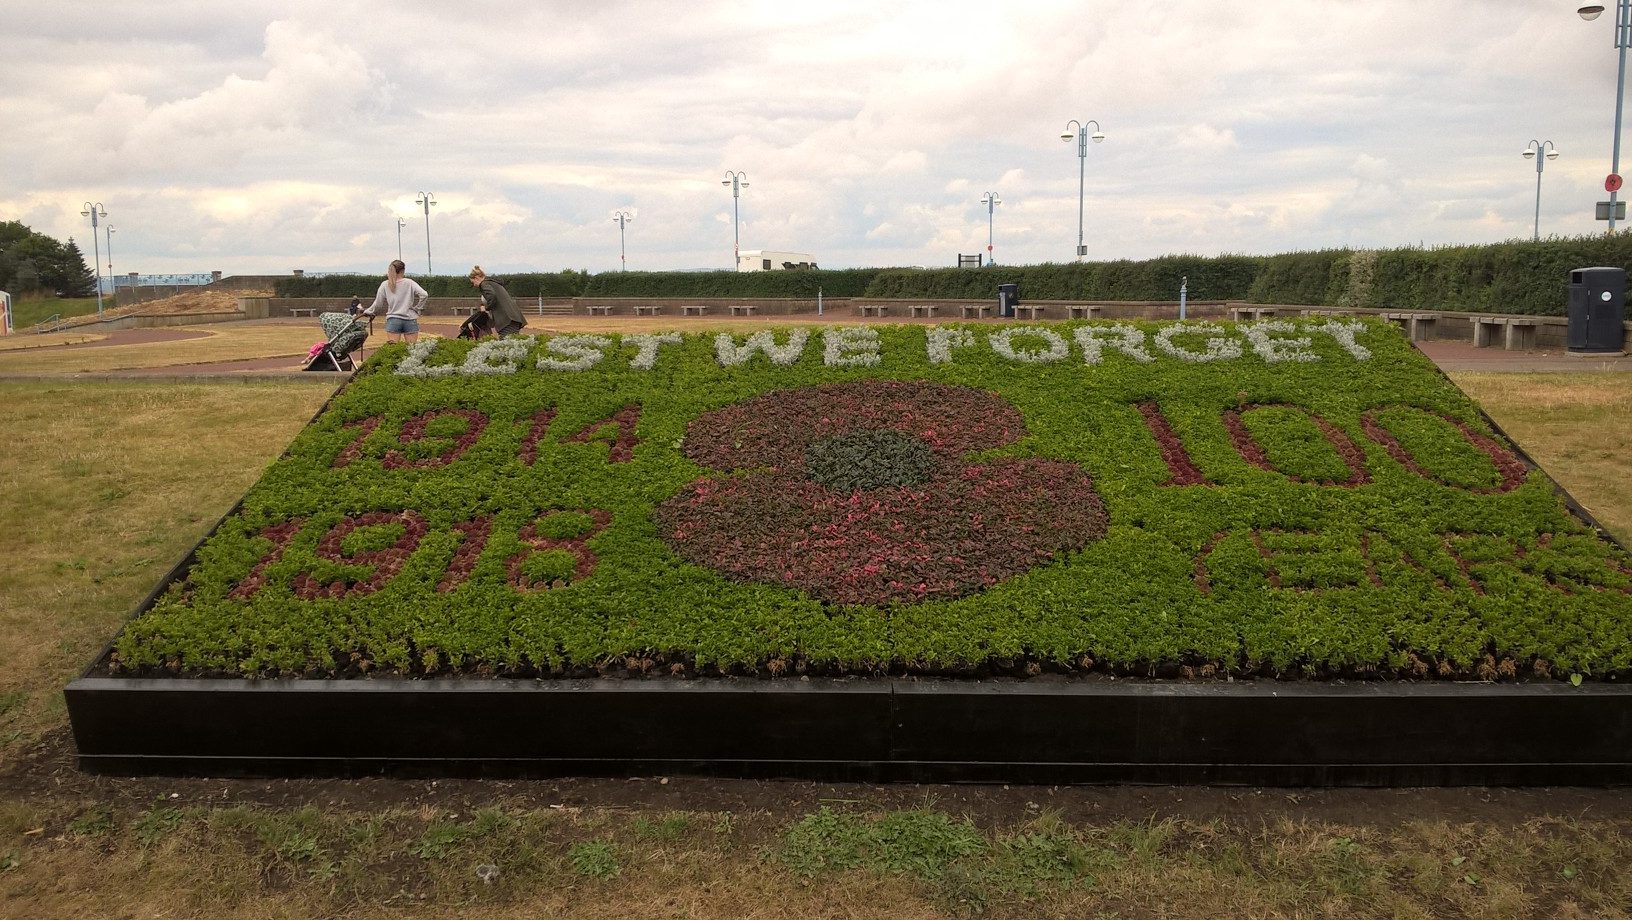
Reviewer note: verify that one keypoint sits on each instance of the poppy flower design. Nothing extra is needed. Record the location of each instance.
(862, 493)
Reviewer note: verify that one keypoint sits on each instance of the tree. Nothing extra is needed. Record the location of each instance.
(31, 261)
(77, 278)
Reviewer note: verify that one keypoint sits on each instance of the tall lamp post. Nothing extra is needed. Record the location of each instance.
(113, 286)
(738, 181)
(1547, 152)
(400, 224)
(1623, 37)
(91, 210)
(427, 200)
(1080, 132)
(622, 217)
(990, 201)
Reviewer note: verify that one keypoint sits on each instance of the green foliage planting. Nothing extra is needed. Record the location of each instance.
(1306, 498)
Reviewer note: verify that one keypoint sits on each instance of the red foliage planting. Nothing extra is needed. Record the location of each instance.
(623, 446)
(529, 445)
(776, 429)
(414, 430)
(473, 536)
(280, 535)
(584, 558)
(1181, 469)
(966, 527)
(386, 562)
(1512, 469)
(354, 450)
(1250, 450)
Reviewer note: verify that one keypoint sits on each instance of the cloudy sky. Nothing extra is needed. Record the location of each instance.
(263, 137)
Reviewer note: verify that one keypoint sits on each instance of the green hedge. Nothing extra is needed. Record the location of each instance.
(1518, 276)
(567, 283)
(1217, 278)
(845, 283)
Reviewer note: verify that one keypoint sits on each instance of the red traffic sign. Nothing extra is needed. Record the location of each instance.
(1612, 183)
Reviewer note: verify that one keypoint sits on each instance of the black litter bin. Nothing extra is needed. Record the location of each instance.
(1597, 311)
(1008, 297)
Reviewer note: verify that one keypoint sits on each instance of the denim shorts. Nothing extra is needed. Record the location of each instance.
(401, 326)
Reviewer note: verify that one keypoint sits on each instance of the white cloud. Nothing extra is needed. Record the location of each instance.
(263, 137)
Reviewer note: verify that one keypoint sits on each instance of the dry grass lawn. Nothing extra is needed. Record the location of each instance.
(221, 342)
(103, 487)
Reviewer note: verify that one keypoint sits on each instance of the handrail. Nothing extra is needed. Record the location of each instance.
(45, 325)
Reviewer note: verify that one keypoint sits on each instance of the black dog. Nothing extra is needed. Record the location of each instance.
(479, 326)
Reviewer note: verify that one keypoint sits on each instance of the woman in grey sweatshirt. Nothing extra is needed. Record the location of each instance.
(403, 299)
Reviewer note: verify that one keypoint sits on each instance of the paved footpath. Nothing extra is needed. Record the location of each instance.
(1463, 356)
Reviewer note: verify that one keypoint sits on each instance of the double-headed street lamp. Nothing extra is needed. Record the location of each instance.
(1623, 37)
(1547, 152)
(1080, 132)
(91, 210)
(990, 201)
(738, 181)
(622, 217)
(400, 224)
(427, 200)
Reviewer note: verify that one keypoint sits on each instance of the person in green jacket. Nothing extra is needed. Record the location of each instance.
(507, 318)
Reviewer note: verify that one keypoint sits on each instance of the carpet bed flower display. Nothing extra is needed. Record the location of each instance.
(1294, 499)
(860, 493)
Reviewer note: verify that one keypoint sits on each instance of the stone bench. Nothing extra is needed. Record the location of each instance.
(1029, 312)
(648, 309)
(600, 309)
(739, 309)
(1327, 312)
(977, 310)
(1417, 326)
(465, 311)
(1518, 333)
(1241, 314)
(874, 309)
(303, 311)
(694, 310)
(926, 310)
(1083, 311)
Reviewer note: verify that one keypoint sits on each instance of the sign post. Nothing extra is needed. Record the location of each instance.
(5, 308)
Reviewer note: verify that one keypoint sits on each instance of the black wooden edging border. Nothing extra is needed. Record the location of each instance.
(1252, 732)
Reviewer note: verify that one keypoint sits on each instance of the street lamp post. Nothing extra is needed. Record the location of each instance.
(1547, 152)
(1623, 37)
(91, 210)
(622, 217)
(427, 200)
(990, 201)
(1082, 136)
(400, 224)
(738, 181)
(113, 286)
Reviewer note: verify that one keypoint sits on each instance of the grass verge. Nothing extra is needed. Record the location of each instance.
(102, 488)
(503, 861)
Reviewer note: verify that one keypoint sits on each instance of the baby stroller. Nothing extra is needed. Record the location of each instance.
(345, 334)
(477, 327)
